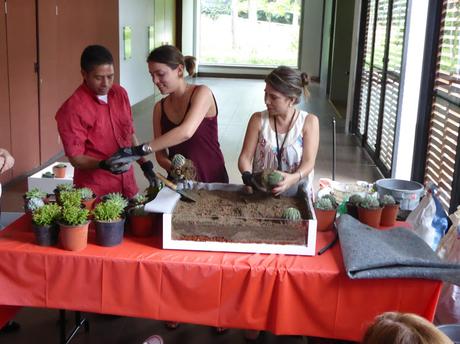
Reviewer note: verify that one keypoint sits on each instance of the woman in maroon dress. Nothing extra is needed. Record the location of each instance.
(184, 122)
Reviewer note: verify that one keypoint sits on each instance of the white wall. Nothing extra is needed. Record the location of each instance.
(412, 66)
(310, 54)
(134, 76)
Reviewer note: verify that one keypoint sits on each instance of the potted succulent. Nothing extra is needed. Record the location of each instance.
(59, 170)
(44, 224)
(141, 223)
(62, 187)
(87, 198)
(352, 204)
(325, 210)
(370, 211)
(110, 222)
(48, 174)
(34, 193)
(73, 222)
(389, 211)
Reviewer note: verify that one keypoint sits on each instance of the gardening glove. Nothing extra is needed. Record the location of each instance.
(129, 154)
(147, 168)
(114, 168)
(247, 178)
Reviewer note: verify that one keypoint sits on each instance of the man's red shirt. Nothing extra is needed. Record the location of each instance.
(89, 126)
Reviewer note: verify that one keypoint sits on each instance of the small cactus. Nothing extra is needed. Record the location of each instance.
(332, 198)
(388, 200)
(370, 202)
(117, 198)
(139, 199)
(271, 178)
(178, 160)
(64, 187)
(292, 214)
(86, 193)
(355, 199)
(324, 203)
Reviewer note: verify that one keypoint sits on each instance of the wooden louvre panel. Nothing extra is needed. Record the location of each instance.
(390, 107)
(377, 74)
(366, 69)
(445, 114)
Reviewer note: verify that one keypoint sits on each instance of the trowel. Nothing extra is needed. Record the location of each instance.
(185, 195)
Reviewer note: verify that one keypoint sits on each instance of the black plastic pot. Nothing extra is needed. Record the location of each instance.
(46, 235)
(109, 233)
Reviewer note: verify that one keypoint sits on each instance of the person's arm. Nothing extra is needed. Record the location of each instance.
(160, 155)
(310, 149)
(250, 143)
(6, 161)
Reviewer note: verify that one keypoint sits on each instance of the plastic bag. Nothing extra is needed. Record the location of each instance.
(448, 310)
(429, 220)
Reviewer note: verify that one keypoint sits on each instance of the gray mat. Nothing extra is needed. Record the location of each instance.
(395, 253)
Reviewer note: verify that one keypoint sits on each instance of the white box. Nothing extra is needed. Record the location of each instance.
(49, 184)
(309, 249)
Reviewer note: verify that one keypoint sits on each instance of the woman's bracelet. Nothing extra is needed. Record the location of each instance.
(300, 175)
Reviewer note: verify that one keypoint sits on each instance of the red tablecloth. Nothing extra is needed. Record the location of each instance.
(283, 294)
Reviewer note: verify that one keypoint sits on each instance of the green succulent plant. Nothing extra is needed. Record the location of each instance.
(117, 198)
(274, 178)
(74, 215)
(138, 210)
(388, 200)
(324, 203)
(109, 210)
(35, 193)
(355, 199)
(48, 175)
(292, 214)
(64, 187)
(86, 193)
(47, 215)
(178, 160)
(70, 198)
(60, 165)
(139, 199)
(34, 203)
(332, 198)
(370, 202)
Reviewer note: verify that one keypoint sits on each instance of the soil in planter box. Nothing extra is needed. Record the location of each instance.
(240, 218)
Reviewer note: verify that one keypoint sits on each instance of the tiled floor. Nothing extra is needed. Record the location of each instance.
(237, 100)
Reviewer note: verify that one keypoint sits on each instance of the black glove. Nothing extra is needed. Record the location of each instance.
(247, 178)
(127, 155)
(147, 168)
(114, 168)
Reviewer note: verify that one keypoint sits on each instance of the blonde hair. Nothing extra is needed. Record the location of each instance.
(403, 328)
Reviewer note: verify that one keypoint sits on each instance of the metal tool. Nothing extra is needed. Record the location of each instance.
(185, 195)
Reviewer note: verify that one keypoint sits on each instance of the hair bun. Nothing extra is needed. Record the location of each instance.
(305, 79)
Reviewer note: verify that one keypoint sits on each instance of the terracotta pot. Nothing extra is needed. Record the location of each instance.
(389, 214)
(109, 233)
(352, 210)
(141, 225)
(73, 238)
(325, 219)
(59, 172)
(89, 204)
(370, 217)
(46, 235)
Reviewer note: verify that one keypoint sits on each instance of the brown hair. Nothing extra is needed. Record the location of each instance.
(190, 64)
(288, 81)
(167, 54)
(403, 328)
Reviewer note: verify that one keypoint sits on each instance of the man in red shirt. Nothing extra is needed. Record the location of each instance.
(94, 123)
